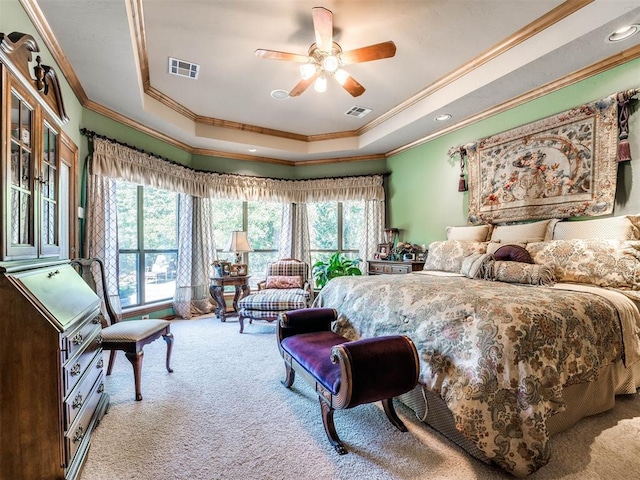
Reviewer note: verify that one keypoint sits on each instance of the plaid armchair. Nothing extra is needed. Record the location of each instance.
(286, 287)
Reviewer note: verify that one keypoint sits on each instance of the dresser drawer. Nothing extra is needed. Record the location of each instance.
(74, 341)
(79, 431)
(73, 370)
(80, 395)
(400, 269)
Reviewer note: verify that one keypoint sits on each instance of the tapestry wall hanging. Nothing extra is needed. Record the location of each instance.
(558, 167)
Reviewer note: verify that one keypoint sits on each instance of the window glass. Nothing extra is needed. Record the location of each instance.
(227, 217)
(352, 222)
(147, 239)
(323, 225)
(127, 202)
(263, 232)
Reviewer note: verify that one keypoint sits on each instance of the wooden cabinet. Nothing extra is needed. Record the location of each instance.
(51, 376)
(51, 381)
(38, 168)
(379, 267)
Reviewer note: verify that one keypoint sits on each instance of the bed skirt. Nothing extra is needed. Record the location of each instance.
(581, 400)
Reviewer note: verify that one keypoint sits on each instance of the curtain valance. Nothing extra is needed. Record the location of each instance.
(117, 161)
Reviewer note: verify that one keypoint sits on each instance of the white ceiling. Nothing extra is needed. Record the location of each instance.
(452, 57)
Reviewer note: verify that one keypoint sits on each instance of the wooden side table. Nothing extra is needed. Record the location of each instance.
(378, 267)
(216, 288)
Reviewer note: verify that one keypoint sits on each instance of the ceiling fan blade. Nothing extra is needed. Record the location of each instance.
(353, 87)
(323, 26)
(367, 54)
(275, 55)
(303, 85)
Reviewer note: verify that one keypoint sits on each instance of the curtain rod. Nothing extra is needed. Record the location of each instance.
(91, 134)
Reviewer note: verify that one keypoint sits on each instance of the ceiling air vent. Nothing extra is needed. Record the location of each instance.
(183, 69)
(357, 112)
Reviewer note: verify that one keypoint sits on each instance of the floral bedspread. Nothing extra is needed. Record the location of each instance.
(498, 354)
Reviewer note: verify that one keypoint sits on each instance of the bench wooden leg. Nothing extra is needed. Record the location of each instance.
(290, 375)
(329, 427)
(136, 361)
(389, 409)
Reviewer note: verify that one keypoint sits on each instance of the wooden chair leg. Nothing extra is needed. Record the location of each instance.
(329, 427)
(136, 361)
(169, 339)
(241, 320)
(389, 409)
(290, 375)
(112, 360)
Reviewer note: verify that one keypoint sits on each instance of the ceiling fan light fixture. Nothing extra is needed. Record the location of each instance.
(320, 84)
(307, 71)
(341, 76)
(330, 63)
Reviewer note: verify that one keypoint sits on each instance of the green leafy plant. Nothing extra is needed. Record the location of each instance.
(337, 266)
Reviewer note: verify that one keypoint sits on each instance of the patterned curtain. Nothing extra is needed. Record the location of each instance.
(374, 223)
(196, 252)
(101, 231)
(294, 236)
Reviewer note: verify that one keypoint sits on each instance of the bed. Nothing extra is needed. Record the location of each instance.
(511, 351)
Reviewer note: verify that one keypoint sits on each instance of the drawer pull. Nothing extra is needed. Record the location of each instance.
(78, 339)
(51, 274)
(76, 369)
(77, 402)
(100, 363)
(99, 339)
(79, 435)
(97, 319)
(101, 388)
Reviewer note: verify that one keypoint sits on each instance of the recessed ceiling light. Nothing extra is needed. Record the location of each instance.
(253, 150)
(280, 94)
(623, 33)
(443, 117)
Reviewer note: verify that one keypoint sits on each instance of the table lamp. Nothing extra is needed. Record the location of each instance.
(239, 244)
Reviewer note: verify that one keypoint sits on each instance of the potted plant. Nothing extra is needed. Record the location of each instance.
(337, 266)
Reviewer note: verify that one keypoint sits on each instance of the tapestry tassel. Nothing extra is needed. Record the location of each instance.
(462, 184)
(624, 150)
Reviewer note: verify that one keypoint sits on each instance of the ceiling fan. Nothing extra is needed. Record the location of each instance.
(326, 58)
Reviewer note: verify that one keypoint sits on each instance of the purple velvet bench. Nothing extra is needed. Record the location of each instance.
(344, 373)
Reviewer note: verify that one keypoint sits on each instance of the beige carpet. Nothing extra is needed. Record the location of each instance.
(223, 414)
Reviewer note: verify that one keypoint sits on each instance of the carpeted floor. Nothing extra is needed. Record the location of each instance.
(223, 414)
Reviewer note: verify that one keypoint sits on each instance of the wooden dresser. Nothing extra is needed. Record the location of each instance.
(51, 381)
(378, 267)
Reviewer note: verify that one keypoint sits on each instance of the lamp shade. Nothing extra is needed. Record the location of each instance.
(238, 242)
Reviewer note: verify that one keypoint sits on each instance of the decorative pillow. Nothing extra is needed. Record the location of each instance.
(283, 281)
(604, 263)
(527, 273)
(512, 253)
(447, 255)
(476, 233)
(524, 232)
(478, 266)
(615, 228)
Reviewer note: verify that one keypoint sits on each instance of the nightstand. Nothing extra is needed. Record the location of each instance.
(379, 267)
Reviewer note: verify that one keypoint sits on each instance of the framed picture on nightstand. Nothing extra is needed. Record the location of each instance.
(384, 250)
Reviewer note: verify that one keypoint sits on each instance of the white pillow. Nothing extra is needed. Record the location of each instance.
(524, 232)
(476, 233)
(612, 228)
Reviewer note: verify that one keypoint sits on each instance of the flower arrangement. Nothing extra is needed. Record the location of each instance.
(404, 247)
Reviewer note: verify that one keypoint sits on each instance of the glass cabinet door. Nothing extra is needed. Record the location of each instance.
(21, 179)
(48, 179)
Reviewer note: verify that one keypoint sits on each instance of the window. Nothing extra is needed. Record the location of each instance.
(334, 227)
(148, 243)
(261, 221)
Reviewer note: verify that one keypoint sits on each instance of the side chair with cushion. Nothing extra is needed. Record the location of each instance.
(286, 287)
(129, 336)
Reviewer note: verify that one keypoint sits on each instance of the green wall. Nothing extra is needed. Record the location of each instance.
(423, 196)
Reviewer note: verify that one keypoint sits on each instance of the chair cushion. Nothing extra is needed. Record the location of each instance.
(273, 301)
(132, 330)
(283, 291)
(284, 281)
(313, 352)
